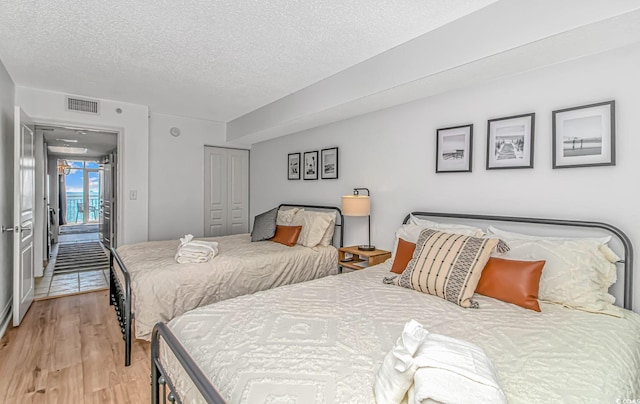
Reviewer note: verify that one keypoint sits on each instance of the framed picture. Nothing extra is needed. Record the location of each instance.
(310, 165)
(510, 142)
(584, 136)
(329, 164)
(454, 147)
(293, 166)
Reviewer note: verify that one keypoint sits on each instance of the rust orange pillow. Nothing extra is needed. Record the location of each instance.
(512, 281)
(287, 235)
(404, 253)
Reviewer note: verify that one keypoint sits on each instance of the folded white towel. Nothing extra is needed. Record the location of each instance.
(395, 376)
(195, 251)
(454, 371)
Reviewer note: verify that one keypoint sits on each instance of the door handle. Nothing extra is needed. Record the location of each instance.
(7, 229)
(25, 228)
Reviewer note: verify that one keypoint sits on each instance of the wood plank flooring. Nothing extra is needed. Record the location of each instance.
(70, 350)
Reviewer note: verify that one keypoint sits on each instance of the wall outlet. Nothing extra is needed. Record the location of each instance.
(133, 195)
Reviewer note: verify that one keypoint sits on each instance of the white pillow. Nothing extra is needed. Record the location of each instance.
(522, 236)
(411, 231)
(578, 271)
(447, 227)
(285, 216)
(314, 226)
(327, 238)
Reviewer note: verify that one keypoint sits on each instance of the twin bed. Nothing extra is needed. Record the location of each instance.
(324, 340)
(149, 285)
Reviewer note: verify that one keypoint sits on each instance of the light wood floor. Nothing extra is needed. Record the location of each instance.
(70, 350)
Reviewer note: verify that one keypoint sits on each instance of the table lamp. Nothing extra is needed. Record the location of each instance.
(359, 205)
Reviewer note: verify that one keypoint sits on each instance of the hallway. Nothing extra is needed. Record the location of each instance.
(54, 284)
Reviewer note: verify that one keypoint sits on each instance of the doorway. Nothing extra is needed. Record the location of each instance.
(75, 199)
(80, 184)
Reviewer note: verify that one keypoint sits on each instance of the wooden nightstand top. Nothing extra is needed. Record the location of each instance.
(361, 259)
(354, 250)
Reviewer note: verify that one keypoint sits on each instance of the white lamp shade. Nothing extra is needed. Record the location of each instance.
(356, 205)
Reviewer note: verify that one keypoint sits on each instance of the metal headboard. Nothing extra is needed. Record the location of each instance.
(624, 239)
(340, 225)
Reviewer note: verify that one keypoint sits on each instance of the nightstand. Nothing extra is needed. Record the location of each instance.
(361, 259)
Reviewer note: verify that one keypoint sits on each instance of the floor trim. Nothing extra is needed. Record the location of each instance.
(5, 317)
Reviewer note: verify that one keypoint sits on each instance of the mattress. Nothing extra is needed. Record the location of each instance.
(162, 289)
(323, 342)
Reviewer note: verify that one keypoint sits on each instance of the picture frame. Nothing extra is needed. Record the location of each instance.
(293, 166)
(454, 149)
(329, 163)
(510, 142)
(310, 165)
(584, 136)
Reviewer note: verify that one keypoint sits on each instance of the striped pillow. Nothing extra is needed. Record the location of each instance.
(449, 265)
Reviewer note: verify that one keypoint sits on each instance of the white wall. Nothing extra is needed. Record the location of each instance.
(133, 123)
(7, 102)
(176, 173)
(392, 152)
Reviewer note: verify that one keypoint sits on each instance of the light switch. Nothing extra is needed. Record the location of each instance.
(133, 195)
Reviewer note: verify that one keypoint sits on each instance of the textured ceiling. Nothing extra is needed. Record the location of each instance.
(215, 60)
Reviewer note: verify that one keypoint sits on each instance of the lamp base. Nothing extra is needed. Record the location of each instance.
(366, 247)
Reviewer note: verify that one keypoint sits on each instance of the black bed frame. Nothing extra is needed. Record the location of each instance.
(120, 295)
(210, 394)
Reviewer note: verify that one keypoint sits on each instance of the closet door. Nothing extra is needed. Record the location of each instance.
(226, 193)
(215, 192)
(238, 187)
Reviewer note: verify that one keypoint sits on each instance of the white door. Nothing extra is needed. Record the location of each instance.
(226, 205)
(23, 202)
(238, 191)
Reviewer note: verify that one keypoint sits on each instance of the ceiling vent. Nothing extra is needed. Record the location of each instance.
(83, 105)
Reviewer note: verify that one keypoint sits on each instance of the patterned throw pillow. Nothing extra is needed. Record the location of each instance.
(449, 265)
(264, 225)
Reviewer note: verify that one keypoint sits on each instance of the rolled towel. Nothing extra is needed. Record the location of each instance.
(195, 251)
(454, 371)
(395, 376)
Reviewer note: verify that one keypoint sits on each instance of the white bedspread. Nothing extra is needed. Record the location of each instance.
(163, 289)
(323, 341)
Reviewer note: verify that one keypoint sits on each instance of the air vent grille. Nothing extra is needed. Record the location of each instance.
(82, 105)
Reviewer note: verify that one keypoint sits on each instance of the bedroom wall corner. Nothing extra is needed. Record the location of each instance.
(392, 152)
(176, 173)
(7, 103)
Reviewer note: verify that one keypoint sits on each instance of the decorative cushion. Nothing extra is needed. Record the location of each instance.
(448, 265)
(285, 216)
(264, 225)
(512, 281)
(404, 254)
(287, 235)
(578, 271)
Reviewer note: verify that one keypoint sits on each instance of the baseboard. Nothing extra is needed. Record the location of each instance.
(5, 318)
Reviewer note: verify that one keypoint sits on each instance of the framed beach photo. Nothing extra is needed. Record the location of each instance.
(510, 142)
(584, 136)
(310, 165)
(293, 166)
(454, 148)
(329, 163)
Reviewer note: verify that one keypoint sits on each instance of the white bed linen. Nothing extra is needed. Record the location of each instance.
(323, 341)
(162, 289)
